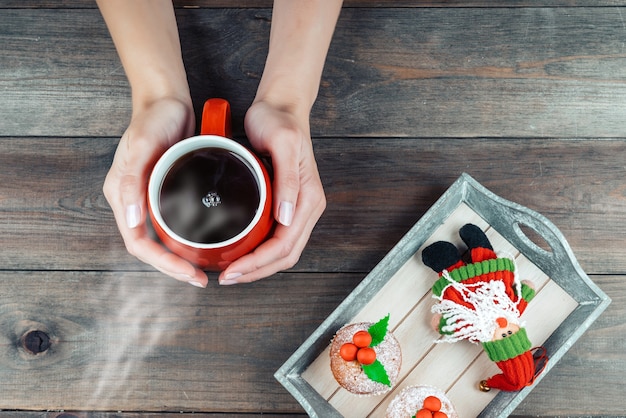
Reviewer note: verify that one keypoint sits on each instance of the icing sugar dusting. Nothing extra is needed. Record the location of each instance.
(350, 375)
(411, 400)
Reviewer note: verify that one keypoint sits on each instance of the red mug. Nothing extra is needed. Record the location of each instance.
(209, 197)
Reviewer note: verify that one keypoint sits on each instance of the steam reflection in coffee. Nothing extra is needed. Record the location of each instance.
(209, 196)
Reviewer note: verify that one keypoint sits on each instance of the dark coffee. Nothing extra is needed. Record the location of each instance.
(209, 196)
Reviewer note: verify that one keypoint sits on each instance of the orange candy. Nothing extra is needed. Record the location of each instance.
(432, 403)
(362, 339)
(431, 408)
(424, 413)
(366, 355)
(348, 351)
(359, 349)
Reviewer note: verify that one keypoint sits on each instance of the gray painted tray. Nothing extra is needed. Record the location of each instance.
(506, 219)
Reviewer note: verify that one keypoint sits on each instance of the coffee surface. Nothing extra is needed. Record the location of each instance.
(209, 196)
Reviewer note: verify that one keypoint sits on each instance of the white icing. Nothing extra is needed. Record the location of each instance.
(350, 375)
(411, 399)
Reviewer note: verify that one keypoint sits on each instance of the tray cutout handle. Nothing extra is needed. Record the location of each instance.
(532, 238)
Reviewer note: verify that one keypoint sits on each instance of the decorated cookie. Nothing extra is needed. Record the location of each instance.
(365, 358)
(421, 402)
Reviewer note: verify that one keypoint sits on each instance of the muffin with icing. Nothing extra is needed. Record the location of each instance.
(421, 402)
(365, 358)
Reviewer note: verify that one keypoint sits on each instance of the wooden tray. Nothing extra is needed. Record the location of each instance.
(566, 304)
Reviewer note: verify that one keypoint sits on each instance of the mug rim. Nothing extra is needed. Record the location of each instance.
(181, 148)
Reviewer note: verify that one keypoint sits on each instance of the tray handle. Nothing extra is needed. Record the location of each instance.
(511, 220)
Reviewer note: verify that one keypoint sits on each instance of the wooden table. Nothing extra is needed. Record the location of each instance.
(528, 97)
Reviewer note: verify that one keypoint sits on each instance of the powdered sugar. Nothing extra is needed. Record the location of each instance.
(350, 375)
(411, 400)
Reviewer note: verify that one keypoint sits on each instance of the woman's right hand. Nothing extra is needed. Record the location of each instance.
(154, 128)
(146, 38)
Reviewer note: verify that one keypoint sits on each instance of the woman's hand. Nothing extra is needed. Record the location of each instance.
(153, 129)
(146, 37)
(277, 124)
(298, 193)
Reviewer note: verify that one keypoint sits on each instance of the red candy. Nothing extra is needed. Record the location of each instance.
(432, 403)
(362, 339)
(431, 408)
(348, 351)
(359, 349)
(424, 413)
(366, 355)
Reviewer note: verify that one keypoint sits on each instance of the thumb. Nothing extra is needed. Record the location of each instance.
(133, 197)
(286, 183)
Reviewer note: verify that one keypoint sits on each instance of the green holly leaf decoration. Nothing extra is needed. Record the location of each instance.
(376, 372)
(378, 331)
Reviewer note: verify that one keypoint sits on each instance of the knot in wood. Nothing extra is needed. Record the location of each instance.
(36, 342)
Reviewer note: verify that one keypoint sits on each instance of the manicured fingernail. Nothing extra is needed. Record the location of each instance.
(196, 284)
(180, 276)
(230, 278)
(133, 216)
(285, 213)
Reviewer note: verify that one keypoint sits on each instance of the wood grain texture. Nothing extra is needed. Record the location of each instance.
(141, 342)
(476, 72)
(120, 414)
(525, 96)
(17, 4)
(432, 72)
(57, 218)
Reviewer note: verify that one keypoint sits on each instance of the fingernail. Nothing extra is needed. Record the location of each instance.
(230, 278)
(196, 284)
(184, 278)
(285, 213)
(180, 276)
(133, 216)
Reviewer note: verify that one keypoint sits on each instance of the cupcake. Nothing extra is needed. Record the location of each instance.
(421, 402)
(365, 358)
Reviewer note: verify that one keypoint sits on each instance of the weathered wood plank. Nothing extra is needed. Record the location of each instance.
(431, 72)
(390, 184)
(60, 73)
(411, 98)
(413, 3)
(18, 4)
(55, 216)
(478, 72)
(75, 414)
(139, 342)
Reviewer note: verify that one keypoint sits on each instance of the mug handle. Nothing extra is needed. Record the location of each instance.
(216, 119)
